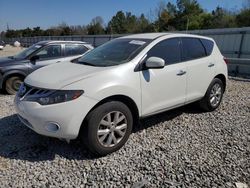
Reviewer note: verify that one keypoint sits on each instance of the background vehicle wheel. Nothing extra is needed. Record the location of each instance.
(107, 128)
(12, 84)
(213, 96)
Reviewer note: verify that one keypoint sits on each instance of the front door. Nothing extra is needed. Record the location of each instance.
(164, 88)
(47, 56)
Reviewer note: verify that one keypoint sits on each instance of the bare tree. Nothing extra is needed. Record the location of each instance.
(155, 13)
(97, 20)
(161, 6)
(246, 4)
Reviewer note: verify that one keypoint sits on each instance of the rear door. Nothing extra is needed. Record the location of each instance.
(164, 88)
(200, 66)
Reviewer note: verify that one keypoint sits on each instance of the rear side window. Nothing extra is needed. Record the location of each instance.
(192, 48)
(71, 49)
(209, 45)
(169, 50)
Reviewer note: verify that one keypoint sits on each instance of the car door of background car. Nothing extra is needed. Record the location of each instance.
(47, 55)
(200, 66)
(164, 88)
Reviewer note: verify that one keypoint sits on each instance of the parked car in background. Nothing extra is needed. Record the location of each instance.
(14, 69)
(101, 97)
(2, 44)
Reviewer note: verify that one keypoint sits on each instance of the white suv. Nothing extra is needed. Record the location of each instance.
(101, 97)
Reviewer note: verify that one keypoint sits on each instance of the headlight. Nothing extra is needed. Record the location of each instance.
(55, 97)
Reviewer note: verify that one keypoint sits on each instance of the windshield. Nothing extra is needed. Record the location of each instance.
(27, 51)
(115, 52)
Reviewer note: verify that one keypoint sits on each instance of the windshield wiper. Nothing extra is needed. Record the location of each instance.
(11, 57)
(94, 65)
(86, 63)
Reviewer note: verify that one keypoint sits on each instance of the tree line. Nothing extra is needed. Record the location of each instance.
(184, 15)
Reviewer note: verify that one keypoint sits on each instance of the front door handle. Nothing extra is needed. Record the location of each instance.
(211, 65)
(181, 72)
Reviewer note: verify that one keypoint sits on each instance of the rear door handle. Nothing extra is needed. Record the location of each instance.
(181, 72)
(211, 65)
(58, 61)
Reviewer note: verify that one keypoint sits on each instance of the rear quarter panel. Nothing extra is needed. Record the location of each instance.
(221, 66)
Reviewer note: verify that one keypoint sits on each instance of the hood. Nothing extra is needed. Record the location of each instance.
(5, 61)
(58, 75)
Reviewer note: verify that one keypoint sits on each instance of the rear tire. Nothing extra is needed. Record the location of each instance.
(213, 96)
(107, 128)
(12, 84)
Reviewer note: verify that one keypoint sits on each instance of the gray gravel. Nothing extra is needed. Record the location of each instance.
(180, 148)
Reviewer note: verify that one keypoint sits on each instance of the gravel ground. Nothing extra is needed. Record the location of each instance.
(10, 50)
(179, 148)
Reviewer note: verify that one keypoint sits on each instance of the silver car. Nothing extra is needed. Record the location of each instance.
(14, 69)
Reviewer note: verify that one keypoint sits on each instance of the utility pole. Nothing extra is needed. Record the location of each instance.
(7, 26)
(111, 32)
(187, 25)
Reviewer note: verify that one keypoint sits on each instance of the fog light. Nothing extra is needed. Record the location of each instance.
(52, 127)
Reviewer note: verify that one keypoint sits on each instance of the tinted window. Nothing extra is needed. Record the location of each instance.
(209, 45)
(71, 49)
(51, 51)
(192, 48)
(169, 50)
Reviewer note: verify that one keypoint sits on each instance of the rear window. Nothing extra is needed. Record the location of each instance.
(72, 49)
(192, 48)
(209, 45)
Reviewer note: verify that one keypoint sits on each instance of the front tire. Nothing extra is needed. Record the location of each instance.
(107, 128)
(213, 96)
(12, 84)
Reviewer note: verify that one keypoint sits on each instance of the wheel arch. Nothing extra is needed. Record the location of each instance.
(11, 74)
(130, 103)
(222, 77)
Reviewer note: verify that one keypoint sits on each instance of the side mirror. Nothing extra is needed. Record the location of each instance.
(155, 63)
(34, 58)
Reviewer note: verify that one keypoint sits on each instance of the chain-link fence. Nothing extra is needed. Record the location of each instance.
(234, 44)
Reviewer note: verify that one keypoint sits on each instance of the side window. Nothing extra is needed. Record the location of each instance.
(192, 48)
(209, 45)
(51, 51)
(169, 50)
(72, 49)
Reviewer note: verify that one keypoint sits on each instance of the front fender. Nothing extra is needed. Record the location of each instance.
(102, 91)
(20, 72)
(121, 80)
(112, 90)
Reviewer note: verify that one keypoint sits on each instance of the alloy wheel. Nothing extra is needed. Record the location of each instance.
(215, 95)
(112, 129)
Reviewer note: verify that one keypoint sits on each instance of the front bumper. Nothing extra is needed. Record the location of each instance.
(68, 116)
